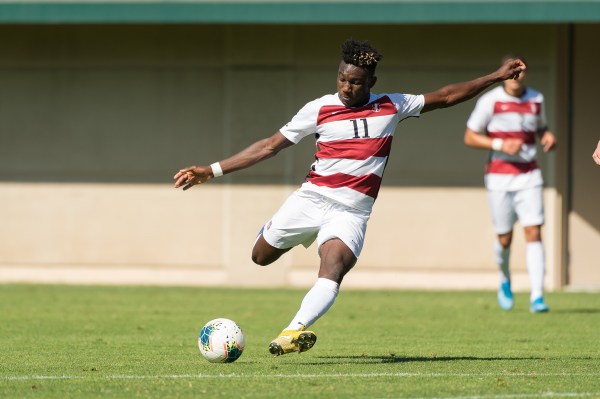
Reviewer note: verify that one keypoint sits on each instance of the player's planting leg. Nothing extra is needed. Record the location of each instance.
(536, 268)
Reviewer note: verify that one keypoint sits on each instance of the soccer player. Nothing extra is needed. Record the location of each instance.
(596, 154)
(353, 129)
(507, 120)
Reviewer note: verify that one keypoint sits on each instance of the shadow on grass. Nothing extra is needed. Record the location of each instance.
(377, 359)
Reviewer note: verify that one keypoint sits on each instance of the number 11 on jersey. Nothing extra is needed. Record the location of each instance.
(366, 128)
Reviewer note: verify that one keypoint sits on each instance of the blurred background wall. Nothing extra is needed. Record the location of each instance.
(95, 119)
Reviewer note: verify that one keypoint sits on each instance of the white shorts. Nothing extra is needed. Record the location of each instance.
(306, 216)
(525, 205)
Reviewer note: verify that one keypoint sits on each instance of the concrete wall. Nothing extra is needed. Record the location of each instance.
(584, 217)
(95, 120)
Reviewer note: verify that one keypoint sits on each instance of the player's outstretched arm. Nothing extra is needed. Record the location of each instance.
(456, 93)
(251, 155)
(596, 154)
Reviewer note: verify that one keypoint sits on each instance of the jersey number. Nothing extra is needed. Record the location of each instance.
(365, 126)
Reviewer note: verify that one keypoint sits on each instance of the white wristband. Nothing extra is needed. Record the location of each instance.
(497, 144)
(216, 169)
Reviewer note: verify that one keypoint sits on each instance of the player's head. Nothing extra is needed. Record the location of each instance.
(361, 54)
(356, 74)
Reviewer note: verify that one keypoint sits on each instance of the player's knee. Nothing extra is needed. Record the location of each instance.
(265, 258)
(260, 260)
(505, 239)
(533, 233)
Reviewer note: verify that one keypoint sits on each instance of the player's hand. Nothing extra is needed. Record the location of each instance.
(192, 175)
(596, 155)
(512, 146)
(548, 141)
(511, 69)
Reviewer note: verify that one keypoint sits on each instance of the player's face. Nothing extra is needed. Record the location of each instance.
(516, 85)
(354, 85)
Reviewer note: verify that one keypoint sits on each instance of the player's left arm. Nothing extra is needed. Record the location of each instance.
(547, 139)
(456, 93)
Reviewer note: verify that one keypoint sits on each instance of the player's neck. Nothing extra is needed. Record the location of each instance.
(515, 92)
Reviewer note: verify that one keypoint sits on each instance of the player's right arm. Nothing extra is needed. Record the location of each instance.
(483, 141)
(251, 155)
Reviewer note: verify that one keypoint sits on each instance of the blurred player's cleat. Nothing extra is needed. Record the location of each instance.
(292, 341)
(538, 306)
(505, 296)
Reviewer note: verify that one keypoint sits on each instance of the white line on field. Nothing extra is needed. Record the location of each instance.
(518, 395)
(330, 375)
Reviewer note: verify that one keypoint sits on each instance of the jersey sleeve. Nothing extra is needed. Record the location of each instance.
(408, 104)
(303, 124)
(480, 117)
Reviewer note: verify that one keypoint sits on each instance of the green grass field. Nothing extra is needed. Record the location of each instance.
(114, 342)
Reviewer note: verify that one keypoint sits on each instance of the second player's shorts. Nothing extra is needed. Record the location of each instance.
(507, 207)
(306, 216)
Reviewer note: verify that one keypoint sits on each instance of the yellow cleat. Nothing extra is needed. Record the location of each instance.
(292, 341)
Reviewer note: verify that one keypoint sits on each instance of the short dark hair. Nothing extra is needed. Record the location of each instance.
(513, 56)
(361, 54)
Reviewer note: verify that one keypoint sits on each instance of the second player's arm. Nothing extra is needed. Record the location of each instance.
(485, 142)
(547, 140)
(251, 155)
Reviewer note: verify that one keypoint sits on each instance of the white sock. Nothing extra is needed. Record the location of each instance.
(536, 268)
(502, 258)
(316, 302)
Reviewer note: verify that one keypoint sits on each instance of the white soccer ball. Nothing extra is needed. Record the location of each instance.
(221, 341)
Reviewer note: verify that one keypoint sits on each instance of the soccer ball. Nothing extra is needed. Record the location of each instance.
(221, 341)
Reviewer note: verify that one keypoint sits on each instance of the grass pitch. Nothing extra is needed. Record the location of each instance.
(116, 342)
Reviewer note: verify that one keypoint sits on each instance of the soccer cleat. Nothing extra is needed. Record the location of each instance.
(292, 341)
(538, 306)
(505, 296)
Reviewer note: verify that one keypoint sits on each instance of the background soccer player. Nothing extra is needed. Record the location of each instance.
(353, 129)
(507, 120)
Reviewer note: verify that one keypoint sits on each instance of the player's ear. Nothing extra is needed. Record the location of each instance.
(372, 81)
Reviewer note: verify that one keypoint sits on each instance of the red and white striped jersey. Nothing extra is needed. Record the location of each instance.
(500, 115)
(353, 143)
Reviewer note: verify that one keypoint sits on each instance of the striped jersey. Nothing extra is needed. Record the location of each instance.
(500, 115)
(353, 144)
